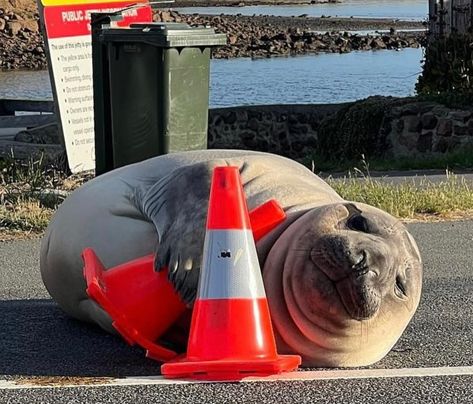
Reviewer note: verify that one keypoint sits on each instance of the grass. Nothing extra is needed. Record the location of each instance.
(462, 159)
(30, 193)
(416, 198)
(411, 199)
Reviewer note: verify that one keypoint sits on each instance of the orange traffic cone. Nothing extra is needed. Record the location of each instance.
(231, 334)
(142, 302)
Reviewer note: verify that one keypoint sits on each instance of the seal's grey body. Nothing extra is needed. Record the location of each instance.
(342, 279)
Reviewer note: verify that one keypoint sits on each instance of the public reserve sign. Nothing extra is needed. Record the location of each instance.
(66, 28)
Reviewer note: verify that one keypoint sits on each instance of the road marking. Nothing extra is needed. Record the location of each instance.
(366, 374)
(41, 383)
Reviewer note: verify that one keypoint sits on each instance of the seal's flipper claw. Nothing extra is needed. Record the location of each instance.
(162, 260)
(174, 264)
(158, 263)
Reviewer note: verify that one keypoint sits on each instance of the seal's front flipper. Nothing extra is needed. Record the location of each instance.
(177, 205)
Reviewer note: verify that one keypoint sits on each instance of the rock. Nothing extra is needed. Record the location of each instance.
(444, 127)
(30, 25)
(245, 34)
(462, 116)
(410, 109)
(378, 43)
(460, 130)
(232, 39)
(253, 124)
(441, 146)
(24, 35)
(13, 27)
(470, 127)
(413, 123)
(429, 121)
(166, 16)
(424, 142)
(46, 134)
(408, 140)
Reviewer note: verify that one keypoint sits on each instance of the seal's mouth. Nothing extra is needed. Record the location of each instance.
(356, 289)
(361, 301)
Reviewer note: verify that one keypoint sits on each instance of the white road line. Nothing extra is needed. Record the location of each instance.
(51, 382)
(366, 374)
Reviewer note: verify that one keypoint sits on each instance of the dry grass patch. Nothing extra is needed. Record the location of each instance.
(62, 381)
(452, 198)
(25, 215)
(30, 193)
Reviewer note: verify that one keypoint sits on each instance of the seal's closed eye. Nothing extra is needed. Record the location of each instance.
(400, 288)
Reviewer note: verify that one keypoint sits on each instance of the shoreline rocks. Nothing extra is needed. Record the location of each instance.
(267, 36)
(242, 3)
(22, 47)
(21, 44)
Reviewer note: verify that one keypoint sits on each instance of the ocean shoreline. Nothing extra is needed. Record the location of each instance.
(243, 3)
(248, 36)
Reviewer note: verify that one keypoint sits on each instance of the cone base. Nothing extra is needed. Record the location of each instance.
(229, 370)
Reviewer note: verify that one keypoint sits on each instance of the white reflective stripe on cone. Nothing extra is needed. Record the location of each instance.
(230, 267)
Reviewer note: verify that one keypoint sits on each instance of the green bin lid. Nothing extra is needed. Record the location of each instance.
(167, 35)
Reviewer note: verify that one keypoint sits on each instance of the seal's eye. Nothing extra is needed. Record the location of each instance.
(358, 223)
(400, 287)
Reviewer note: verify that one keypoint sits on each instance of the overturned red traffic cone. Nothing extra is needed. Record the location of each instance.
(231, 334)
(141, 302)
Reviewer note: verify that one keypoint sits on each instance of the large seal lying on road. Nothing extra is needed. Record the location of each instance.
(343, 279)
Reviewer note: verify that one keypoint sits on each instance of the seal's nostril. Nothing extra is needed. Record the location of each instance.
(358, 223)
(360, 263)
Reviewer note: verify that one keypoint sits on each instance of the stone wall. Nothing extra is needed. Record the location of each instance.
(381, 127)
(409, 128)
(430, 128)
(288, 130)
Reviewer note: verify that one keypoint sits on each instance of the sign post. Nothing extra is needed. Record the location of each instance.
(67, 32)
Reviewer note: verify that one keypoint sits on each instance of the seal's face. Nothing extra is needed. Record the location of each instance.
(350, 278)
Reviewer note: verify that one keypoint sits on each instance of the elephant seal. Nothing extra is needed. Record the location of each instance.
(343, 279)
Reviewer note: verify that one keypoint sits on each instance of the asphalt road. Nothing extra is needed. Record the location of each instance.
(36, 339)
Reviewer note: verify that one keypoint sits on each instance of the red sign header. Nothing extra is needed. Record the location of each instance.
(69, 21)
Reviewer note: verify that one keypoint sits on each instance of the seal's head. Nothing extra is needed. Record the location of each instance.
(343, 282)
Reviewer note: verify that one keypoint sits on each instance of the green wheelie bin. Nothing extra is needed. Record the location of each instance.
(151, 90)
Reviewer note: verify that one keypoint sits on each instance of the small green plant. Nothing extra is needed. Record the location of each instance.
(448, 65)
